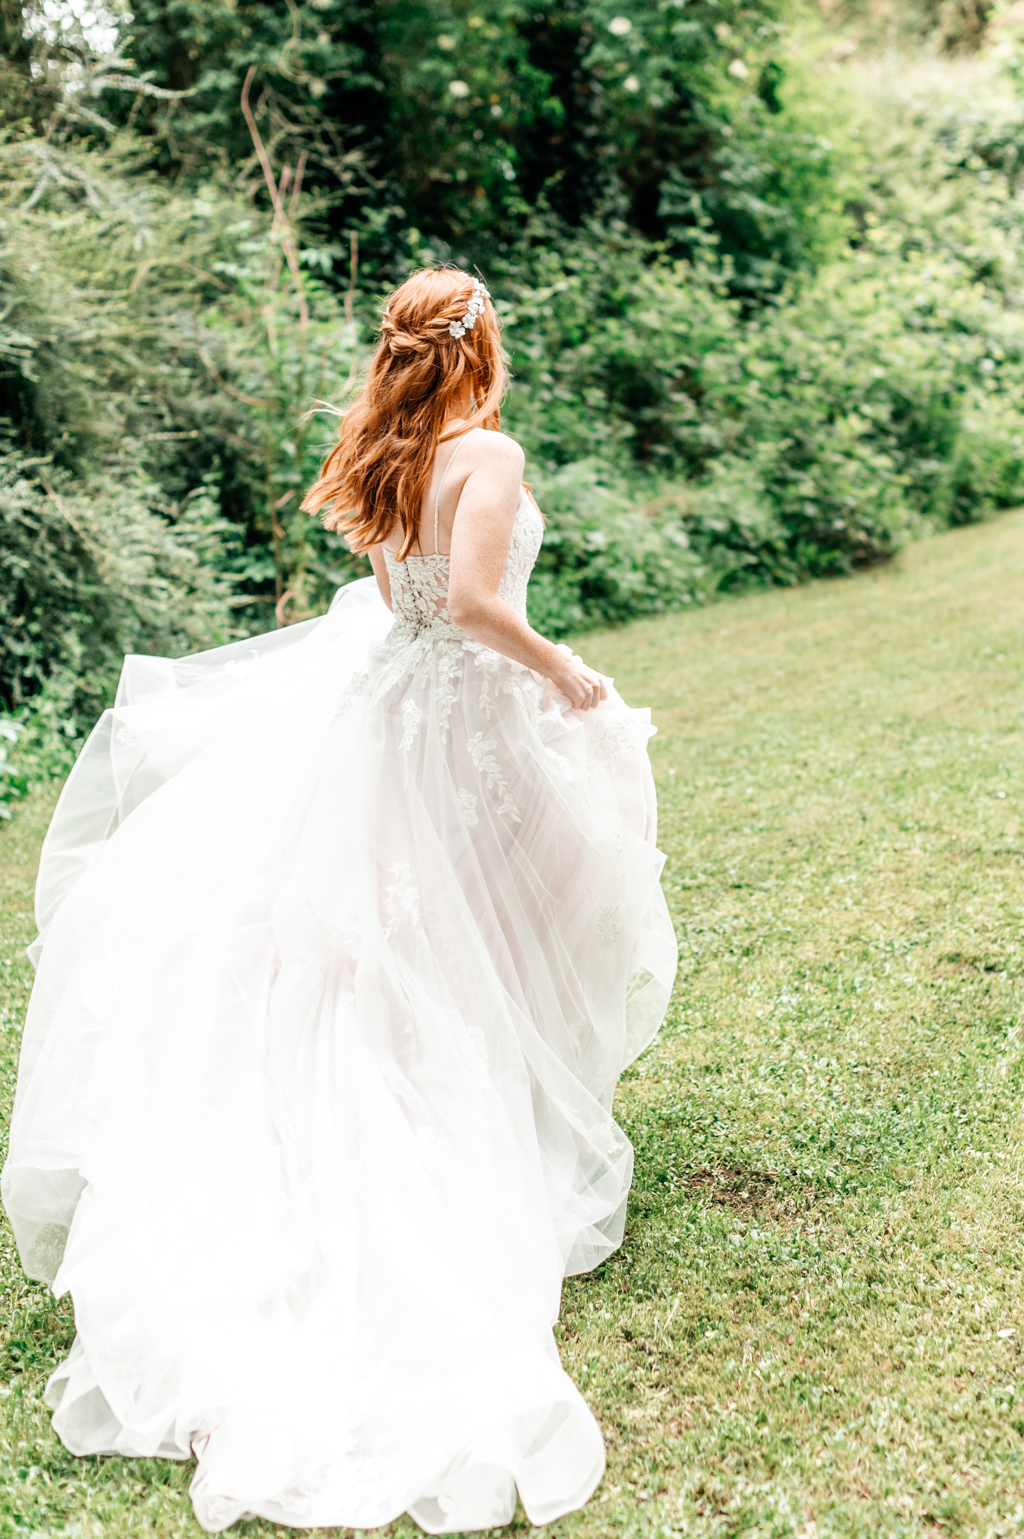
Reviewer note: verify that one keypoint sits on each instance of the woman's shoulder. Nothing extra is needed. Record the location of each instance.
(487, 446)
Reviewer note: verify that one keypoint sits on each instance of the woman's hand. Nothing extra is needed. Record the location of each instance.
(584, 687)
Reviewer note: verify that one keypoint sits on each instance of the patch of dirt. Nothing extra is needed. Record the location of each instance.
(746, 1192)
(960, 962)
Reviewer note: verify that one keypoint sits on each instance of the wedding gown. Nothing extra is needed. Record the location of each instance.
(346, 934)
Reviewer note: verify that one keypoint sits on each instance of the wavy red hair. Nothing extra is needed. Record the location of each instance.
(377, 473)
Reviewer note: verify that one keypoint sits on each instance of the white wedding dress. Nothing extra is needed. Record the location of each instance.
(346, 934)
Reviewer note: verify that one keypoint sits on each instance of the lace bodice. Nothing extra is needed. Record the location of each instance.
(419, 584)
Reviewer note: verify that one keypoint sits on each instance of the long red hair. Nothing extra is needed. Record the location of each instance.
(377, 473)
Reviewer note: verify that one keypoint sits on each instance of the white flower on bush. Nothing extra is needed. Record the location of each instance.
(619, 26)
(458, 88)
(631, 83)
(739, 69)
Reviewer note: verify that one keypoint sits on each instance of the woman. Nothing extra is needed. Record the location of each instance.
(346, 934)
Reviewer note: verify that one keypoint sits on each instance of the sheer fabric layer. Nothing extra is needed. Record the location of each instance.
(346, 935)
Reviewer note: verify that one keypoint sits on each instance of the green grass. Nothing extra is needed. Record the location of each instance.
(805, 1332)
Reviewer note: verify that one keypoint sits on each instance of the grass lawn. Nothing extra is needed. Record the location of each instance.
(816, 1324)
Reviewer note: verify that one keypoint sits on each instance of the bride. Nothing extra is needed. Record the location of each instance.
(346, 934)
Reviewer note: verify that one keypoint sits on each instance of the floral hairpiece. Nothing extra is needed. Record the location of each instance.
(476, 305)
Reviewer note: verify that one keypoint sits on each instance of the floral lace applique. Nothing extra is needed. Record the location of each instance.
(608, 927)
(424, 633)
(499, 678)
(443, 661)
(419, 593)
(411, 718)
(481, 751)
(521, 687)
(126, 738)
(424, 636)
(447, 668)
(527, 537)
(353, 689)
(403, 898)
(426, 1138)
(613, 743)
(467, 806)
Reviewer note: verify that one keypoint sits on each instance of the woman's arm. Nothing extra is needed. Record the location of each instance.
(380, 571)
(480, 540)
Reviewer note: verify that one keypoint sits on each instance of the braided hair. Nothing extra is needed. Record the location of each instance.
(420, 376)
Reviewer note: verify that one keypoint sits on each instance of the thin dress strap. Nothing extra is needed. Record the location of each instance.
(437, 499)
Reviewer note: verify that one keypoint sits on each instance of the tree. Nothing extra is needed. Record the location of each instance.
(437, 126)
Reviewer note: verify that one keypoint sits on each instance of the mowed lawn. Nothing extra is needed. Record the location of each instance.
(816, 1325)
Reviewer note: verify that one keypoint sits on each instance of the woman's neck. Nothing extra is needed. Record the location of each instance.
(458, 416)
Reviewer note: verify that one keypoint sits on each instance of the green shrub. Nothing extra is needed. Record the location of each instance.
(164, 334)
(460, 124)
(811, 436)
(91, 571)
(606, 557)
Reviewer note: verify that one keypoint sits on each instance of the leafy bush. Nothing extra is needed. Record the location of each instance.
(166, 334)
(606, 557)
(91, 571)
(41, 741)
(874, 400)
(815, 434)
(460, 123)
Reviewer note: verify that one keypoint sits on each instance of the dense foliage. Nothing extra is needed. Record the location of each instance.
(88, 573)
(457, 122)
(761, 313)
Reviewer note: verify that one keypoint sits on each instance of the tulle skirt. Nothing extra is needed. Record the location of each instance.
(345, 939)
